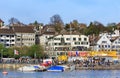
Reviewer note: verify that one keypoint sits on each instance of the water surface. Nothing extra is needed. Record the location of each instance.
(72, 74)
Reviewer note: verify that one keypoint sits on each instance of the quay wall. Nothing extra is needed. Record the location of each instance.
(13, 66)
(99, 68)
(16, 66)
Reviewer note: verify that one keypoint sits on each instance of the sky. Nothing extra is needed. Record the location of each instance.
(85, 11)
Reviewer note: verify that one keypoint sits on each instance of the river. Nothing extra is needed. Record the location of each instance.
(71, 74)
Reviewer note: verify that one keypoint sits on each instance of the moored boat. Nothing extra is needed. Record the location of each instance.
(61, 68)
(27, 68)
(56, 68)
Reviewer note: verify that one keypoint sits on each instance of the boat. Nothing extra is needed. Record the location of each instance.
(27, 68)
(30, 68)
(61, 68)
(56, 68)
(4, 72)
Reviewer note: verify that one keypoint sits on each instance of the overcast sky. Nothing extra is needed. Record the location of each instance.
(85, 11)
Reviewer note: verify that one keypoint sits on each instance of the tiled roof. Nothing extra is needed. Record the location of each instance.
(1, 21)
(6, 31)
(48, 33)
(23, 29)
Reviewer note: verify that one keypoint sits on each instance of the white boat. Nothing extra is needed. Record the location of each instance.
(27, 68)
(30, 68)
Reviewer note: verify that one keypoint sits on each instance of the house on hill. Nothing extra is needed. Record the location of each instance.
(1, 23)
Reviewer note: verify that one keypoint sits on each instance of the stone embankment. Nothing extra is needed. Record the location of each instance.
(12, 66)
(112, 67)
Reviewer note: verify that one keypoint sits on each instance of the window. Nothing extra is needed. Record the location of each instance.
(56, 38)
(99, 46)
(113, 46)
(7, 35)
(85, 39)
(7, 40)
(86, 42)
(18, 39)
(12, 40)
(79, 39)
(115, 42)
(67, 38)
(74, 39)
(102, 46)
(59, 43)
(12, 35)
(7, 44)
(104, 41)
(77, 43)
(81, 42)
(105, 46)
(2, 40)
(108, 46)
(55, 43)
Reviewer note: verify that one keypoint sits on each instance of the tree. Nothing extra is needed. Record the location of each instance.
(1, 49)
(36, 25)
(14, 21)
(111, 26)
(36, 51)
(10, 52)
(75, 25)
(82, 28)
(95, 28)
(57, 22)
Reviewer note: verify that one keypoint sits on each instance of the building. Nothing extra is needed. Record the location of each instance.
(116, 44)
(1, 23)
(63, 43)
(103, 44)
(7, 37)
(25, 35)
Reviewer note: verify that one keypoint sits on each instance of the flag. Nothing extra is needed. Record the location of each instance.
(16, 52)
(77, 54)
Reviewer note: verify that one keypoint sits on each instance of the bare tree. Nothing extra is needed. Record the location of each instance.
(57, 22)
(14, 21)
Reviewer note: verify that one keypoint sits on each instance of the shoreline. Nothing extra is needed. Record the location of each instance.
(16, 66)
(98, 68)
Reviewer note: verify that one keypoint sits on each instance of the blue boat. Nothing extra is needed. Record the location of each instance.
(56, 68)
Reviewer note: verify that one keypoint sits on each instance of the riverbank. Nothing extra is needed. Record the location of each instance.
(112, 67)
(13, 66)
(98, 68)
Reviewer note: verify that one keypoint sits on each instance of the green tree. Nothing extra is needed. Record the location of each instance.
(1, 49)
(36, 51)
(10, 52)
(94, 28)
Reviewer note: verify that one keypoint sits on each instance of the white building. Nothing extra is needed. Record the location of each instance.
(103, 43)
(63, 43)
(7, 37)
(110, 35)
(116, 44)
(106, 43)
